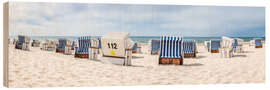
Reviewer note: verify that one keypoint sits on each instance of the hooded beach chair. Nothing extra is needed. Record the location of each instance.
(84, 43)
(35, 43)
(94, 48)
(227, 45)
(61, 45)
(171, 50)
(48, 45)
(155, 45)
(23, 43)
(68, 47)
(117, 45)
(214, 46)
(258, 42)
(189, 48)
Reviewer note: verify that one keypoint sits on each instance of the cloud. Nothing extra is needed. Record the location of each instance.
(76, 19)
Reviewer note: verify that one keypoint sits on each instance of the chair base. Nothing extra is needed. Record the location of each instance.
(18, 47)
(81, 55)
(258, 46)
(190, 55)
(176, 61)
(154, 52)
(214, 51)
(134, 51)
(60, 51)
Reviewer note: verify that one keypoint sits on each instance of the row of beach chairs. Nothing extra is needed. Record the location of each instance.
(170, 49)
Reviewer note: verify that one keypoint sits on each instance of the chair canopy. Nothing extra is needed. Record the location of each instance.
(189, 46)
(171, 47)
(83, 45)
(215, 44)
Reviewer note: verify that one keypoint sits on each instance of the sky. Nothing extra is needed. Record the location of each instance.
(81, 19)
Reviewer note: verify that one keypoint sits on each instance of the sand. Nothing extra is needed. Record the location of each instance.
(36, 68)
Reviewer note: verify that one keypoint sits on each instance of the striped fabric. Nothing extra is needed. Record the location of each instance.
(189, 46)
(214, 44)
(83, 45)
(258, 41)
(171, 47)
(62, 43)
(155, 45)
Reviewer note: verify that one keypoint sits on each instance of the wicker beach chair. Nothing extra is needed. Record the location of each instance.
(35, 43)
(214, 46)
(68, 47)
(82, 50)
(258, 42)
(61, 45)
(189, 48)
(23, 43)
(117, 45)
(226, 49)
(155, 46)
(171, 50)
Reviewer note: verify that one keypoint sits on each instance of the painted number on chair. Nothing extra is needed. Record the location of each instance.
(112, 45)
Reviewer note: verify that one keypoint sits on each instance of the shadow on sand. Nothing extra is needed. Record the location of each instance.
(193, 64)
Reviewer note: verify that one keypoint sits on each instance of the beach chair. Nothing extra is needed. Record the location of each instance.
(252, 43)
(155, 45)
(23, 43)
(258, 42)
(35, 43)
(73, 45)
(68, 47)
(226, 49)
(82, 50)
(117, 45)
(94, 48)
(171, 50)
(238, 45)
(61, 45)
(214, 46)
(189, 48)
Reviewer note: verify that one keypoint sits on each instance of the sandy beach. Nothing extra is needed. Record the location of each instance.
(37, 68)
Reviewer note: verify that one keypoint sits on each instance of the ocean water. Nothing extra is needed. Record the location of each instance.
(140, 39)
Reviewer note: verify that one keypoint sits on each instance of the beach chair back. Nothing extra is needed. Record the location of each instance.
(84, 44)
(171, 47)
(115, 44)
(155, 46)
(215, 44)
(189, 46)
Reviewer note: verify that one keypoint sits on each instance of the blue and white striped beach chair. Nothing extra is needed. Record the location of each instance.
(155, 45)
(258, 42)
(189, 48)
(84, 43)
(214, 46)
(171, 50)
(235, 44)
(61, 45)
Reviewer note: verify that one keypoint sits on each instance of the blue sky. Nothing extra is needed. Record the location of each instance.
(77, 19)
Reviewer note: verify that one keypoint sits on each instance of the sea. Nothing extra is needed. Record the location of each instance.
(140, 39)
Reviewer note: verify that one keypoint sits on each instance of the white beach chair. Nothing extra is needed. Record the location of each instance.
(117, 45)
(226, 47)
